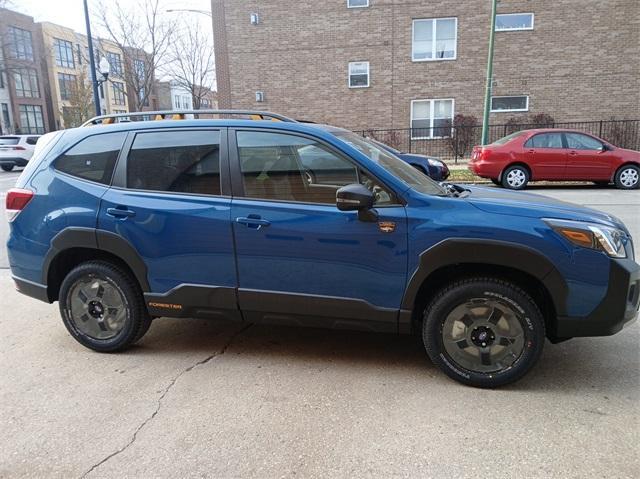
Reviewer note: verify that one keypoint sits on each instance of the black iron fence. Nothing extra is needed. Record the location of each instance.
(456, 143)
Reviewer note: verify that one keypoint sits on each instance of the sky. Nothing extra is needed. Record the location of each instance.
(71, 14)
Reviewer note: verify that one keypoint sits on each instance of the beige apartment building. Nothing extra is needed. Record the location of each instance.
(365, 64)
(69, 78)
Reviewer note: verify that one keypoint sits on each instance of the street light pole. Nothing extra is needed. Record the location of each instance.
(92, 61)
(489, 80)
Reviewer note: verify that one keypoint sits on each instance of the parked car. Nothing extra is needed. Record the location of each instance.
(218, 218)
(555, 155)
(429, 165)
(16, 150)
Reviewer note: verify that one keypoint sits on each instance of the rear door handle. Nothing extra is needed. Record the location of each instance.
(573, 152)
(120, 212)
(253, 221)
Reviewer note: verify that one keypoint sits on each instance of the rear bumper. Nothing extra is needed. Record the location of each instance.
(29, 288)
(618, 308)
(15, 161)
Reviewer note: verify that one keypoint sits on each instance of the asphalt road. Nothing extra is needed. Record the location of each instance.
(213, 399)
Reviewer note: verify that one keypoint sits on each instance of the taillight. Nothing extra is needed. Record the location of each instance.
(19, 148)
(484, 154)
(17, 200)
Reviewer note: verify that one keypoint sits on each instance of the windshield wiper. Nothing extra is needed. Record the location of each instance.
(456, 191)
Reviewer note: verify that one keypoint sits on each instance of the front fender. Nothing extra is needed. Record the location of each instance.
(455, 251)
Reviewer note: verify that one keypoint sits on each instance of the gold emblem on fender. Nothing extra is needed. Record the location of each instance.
(165, 305)
(387, 226)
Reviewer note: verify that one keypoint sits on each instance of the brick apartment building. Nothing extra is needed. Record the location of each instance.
(22, 75)
(367, 64)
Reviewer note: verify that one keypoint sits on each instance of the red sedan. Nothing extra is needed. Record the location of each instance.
(555, 155)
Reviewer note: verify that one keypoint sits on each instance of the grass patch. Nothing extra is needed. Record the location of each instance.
(465, 176)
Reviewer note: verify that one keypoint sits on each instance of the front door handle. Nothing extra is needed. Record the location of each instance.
(120, 212)
(573, 152)
(253, 221)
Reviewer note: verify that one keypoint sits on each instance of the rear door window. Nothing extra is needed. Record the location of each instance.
(176, 161)
(32, 140)
(545, 140)
(94, 158)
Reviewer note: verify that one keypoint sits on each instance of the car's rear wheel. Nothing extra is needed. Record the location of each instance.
(483, 332)
(628, 177)
(515, 177)
(102, 306)
(6, 167)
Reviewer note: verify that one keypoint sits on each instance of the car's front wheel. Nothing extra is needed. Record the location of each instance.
(515, 177)
(483, 332)
(628, 177)
(6, 167)
(102, 306)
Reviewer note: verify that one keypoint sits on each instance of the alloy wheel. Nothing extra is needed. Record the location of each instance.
(516, 178)
(483, 335)
(97, 307)
(629, 177)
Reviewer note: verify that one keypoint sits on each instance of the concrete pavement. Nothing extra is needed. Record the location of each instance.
(213, 399)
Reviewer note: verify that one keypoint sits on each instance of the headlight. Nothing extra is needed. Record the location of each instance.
(590, 235)
(434, 162)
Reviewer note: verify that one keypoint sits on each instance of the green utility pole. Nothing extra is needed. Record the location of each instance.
(488, 86)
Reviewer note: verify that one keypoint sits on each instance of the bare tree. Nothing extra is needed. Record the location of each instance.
(192, 63)
(80, 101)
(144, 35)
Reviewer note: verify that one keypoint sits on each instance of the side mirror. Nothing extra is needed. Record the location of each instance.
(357, 197)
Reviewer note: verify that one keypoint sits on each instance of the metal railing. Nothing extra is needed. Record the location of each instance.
(456, 143)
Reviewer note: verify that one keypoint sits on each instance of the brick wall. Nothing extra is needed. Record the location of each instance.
(580, 62)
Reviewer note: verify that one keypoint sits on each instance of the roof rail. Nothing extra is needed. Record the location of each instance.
(179, 114)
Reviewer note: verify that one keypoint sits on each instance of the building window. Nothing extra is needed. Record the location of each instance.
(79, 53)
(2, 80)
(431, 118)
(26, 81)
(507, 22)
(118, 93)
(20, 44)
(357, 3)
(510, 103)
(64, 53)
(6, 119)
(66, 83)
(434, 39)
(358, 74)
(31, 121)
(115, 62)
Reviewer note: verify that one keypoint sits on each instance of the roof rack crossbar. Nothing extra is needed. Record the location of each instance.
(262, 114)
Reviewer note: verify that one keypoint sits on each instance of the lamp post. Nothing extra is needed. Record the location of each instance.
(489, 80)
(92, 61)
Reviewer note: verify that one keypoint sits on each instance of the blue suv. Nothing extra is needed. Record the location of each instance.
(294, 223)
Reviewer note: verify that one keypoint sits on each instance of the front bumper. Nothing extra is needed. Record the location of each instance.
(617, 309)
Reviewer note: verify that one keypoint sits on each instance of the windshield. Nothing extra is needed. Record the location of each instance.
(507, 138)
(394, 165)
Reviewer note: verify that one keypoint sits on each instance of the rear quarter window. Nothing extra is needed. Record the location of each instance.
(94, 158)
(9, 140)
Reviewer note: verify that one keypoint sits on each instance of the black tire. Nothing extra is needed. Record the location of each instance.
(628, 177)
(495, 181)
(491, 291)
(515, 177)
(6, 167)
(126, 299)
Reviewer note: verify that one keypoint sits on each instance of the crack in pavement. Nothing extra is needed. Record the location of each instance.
(162, 396)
